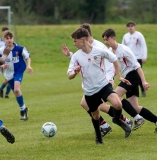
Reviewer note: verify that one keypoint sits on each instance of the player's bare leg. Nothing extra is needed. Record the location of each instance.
(104, 126)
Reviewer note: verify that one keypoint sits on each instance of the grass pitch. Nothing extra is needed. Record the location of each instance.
(50, 96)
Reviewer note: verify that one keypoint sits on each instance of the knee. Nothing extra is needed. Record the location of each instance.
(16, 91)
(118, 105)
(84, 105)
(104, 107)
(138, 109)
(96, 117)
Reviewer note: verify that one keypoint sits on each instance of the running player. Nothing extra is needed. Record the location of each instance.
(110, 73)
(132, 71)
(87, 60)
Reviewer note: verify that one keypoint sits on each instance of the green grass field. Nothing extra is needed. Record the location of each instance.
(50, 96)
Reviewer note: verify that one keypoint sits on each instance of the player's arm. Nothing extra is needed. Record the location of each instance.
(144, 48)
(141, 74)
(110, 72)
(66, 51)
(123, 41)
(74, 68)
(4, 66)
(117, 70)
(26, 56)
(29, 68)
(73, 74)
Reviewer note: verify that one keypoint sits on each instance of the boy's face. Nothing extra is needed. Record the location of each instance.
(8, 40)
(131, 28)
(79, 43)
(109, 41)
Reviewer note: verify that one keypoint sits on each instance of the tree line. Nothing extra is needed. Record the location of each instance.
(72, 11)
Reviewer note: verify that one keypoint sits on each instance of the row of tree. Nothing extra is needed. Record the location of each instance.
(73, 11)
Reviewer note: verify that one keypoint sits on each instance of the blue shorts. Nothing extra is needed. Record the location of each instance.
(17, 77)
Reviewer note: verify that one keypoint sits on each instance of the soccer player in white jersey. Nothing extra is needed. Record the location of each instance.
(5, 83)
(136, 42)
(110, 73)
(132, 71)
(6, 133)
(88, 61)
(14, 71)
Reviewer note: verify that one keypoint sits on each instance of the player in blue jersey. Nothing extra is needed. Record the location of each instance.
(5, 83)
(14, 68)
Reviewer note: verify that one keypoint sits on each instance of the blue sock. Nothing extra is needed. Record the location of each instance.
(8, 89)
(20, 101)
(2, 86)
(1, 123)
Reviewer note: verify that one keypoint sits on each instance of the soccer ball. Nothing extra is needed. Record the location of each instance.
(49, 129)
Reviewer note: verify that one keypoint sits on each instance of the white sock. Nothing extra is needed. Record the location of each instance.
(127, 120)
(105, 125)
(137, 117)
(23, 107)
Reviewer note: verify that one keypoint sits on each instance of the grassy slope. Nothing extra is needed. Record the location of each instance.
(50, 96)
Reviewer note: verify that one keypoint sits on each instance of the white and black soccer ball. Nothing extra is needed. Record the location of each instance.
(49, 129)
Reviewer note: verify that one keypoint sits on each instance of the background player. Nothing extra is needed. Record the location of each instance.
(136, 42)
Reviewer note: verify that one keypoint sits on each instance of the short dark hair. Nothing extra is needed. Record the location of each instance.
(109, 33)
(79, 33)
(130, 22)
(8, 33)
(87, 27)
(5, 29)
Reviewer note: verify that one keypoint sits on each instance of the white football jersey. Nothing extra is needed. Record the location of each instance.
(108, 66)
(109, 69)
(126, 59)
(136, 42)
(2, 43)
(92, 72)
